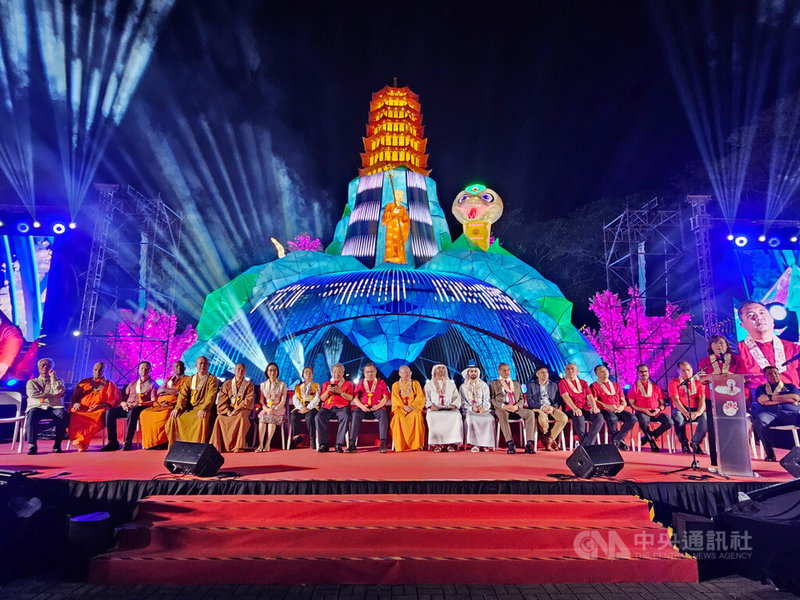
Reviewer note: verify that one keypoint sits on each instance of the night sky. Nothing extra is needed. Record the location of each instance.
(553, 104)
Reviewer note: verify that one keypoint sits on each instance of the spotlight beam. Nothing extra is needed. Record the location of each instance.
(16, 150)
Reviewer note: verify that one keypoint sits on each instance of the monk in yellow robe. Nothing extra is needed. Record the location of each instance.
(234, 405)
(153, 420)
(395, 219)
(91, 399)
(408, 421)
(188, 422)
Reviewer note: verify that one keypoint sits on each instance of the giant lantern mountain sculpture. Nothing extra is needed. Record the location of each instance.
(393, 287)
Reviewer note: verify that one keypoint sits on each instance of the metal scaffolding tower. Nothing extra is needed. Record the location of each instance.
(132, 263)
(638, 237)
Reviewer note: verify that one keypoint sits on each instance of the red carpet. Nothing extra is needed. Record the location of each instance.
(392, 539)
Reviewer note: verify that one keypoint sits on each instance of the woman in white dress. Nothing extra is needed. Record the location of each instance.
(477, 407)
(443, 402)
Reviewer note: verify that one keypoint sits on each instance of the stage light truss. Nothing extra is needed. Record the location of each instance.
(140, 237)
(630, 240)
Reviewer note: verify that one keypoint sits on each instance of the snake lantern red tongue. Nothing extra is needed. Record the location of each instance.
(477, 207)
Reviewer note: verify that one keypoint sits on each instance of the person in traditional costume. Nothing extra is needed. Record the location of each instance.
(272, 398)
(45, 401)
(718, 360)
(508, 402)
(408, 408)
(580, 405)
(777, 403)
(395, 219)
(234, 405)
(305, 403)
(152, 421)
(688, 397)
(139, 395)
(761, 348)
(613, 406)
(477, 407)
(443, 402)
(370, 398)
(545, 402)
(188, 421)
(91, 399)
(337, 393)
(647, 401)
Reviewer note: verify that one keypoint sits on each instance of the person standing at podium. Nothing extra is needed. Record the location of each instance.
(719, 359)
(777, 403)
(762, 348)
(688, 397)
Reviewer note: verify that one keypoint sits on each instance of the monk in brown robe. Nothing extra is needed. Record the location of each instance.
(91, 399)
(234, 405)
(395, 219)
(153, 420)
(188, 422)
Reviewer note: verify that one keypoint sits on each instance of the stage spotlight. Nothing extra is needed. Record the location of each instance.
(730, 237)
(792, 239)
(773, 242)
(762, 238)
(778, 312)
(59, 228)
(23, 227)
(1, 223)
(73, 225)
(740, 241)
(76, 333)
(36, 224)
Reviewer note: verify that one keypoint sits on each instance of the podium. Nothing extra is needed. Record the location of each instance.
(726, 402)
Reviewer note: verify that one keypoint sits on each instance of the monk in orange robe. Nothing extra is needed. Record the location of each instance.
(408, 404)
(188, 422)
(395, 219)
(91, 399)
(153, 420)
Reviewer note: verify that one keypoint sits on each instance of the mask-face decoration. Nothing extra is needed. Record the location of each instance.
(476, 207)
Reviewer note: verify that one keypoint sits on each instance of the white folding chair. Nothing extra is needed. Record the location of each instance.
(522, 434)
(14, 399)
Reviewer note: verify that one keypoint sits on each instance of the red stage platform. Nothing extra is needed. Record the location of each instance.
(304, 464)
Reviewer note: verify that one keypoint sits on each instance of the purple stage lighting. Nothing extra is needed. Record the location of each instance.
(762, 238)
(730, 237)
(59, 228)
(741, 241)
(23, 227)
(773, 242)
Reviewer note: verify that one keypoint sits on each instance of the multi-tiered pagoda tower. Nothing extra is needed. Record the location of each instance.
(394, 133)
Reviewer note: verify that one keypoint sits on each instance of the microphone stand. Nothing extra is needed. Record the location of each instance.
(694, 466)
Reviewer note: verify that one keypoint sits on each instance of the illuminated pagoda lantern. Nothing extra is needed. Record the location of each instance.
(393, 287)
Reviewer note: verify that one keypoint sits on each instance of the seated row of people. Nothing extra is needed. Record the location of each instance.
(181, 408)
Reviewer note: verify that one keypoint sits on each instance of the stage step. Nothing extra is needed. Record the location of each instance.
(392, 539)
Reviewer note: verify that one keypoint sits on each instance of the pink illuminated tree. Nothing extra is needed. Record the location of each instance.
(627, 336)
(150, 336)
(304, 242)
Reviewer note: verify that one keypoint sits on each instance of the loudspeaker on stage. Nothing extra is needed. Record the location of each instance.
(198, 459)
(593, 461)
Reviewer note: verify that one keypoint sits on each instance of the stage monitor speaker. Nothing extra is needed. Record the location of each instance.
(593, 461)
(202, 460)
(791, 462)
